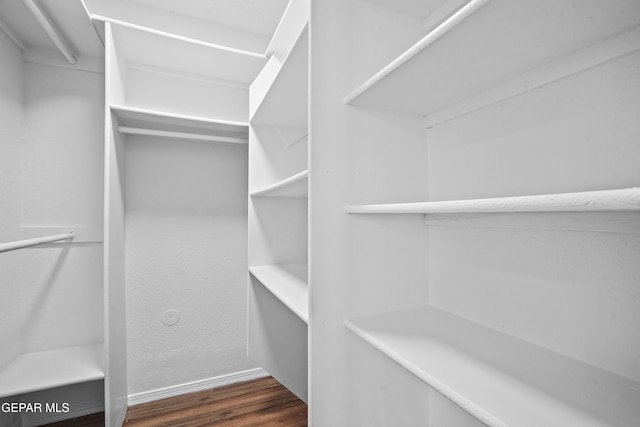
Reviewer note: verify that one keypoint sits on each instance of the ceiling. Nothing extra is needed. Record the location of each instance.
(70, 17)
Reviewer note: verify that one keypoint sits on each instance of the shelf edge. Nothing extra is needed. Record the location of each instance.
(264, 192)
(589, 201)
(447, 25)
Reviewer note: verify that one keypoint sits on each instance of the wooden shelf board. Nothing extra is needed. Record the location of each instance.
(288, 283)
(436, 73)
(54, 368)
(499, 379)
(279, 95)
(168, 51)
(588, 201)
(294, 186)
(158, 120)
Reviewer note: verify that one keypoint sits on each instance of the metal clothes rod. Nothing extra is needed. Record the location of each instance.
(179, 135)
(51, 31)
(19, 244)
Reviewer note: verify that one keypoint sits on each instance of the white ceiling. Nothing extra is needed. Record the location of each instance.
(69, 16)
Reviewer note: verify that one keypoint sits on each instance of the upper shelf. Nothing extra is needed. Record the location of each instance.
(589, 201)
(139, 118)
(294, 19)
(54, 368)
(500, 380)
(288, 282)
(149, 47)
(293, 186)
(279, 95)
(485, 43)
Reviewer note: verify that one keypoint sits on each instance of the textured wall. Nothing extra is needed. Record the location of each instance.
(186, 250)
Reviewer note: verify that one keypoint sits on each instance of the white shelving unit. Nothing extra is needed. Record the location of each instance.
(278, 205)
(507, 126)
(294, 186)
(501, 380)
(204, 98)
(53, 368)
(627, 199)
(288, 283)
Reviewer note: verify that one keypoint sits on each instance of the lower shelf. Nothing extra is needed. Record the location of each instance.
(54, 368)
(288, 282)
(499, 379)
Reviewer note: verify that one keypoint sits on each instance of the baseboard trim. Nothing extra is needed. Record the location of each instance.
(208, 383)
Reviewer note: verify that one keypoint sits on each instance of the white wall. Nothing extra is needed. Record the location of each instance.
(186, 207)
(11, 131)
(52, 153)
(62, 185)
(573, 292)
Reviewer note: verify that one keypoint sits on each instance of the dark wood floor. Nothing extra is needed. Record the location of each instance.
(263, 402)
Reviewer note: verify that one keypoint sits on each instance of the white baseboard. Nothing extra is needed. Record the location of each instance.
(208, 383)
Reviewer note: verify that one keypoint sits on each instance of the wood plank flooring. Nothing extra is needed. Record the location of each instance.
(262, 402)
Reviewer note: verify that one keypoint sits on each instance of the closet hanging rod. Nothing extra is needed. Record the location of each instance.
(51, 31)
(19, 244)
(127, 130)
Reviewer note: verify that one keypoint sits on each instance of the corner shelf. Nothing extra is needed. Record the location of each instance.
(499, 379)
(279, 95)
(285, 283)
(54, 368)
(140, 118)
(294, 186)
(418, 80)
(589, 201)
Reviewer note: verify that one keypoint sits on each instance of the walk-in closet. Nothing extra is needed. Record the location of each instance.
(380, 212)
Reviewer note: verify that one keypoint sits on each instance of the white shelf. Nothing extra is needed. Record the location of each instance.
(288, 282)
(499, 379)
(279, 95)
(435, 72)
(166, 51)
(589, 201)
(294, 18)
(294, 186)
(161, 121)
(54, 368)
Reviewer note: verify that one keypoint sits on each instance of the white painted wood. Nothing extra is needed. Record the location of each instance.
(127, 130)
(279, 94)
(606, 50)
(295, 17)
(288, 283)
(173, 52)
(588, 201)
(20, 244)
(416, 82)
(499, 379)
(291, 135)
(53, 368)
(447, 25)
(194, 386)
(278, 339)
(115, 337)
(294, 186)
(160, 120)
